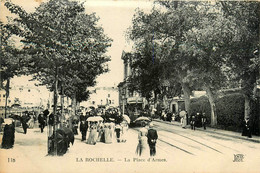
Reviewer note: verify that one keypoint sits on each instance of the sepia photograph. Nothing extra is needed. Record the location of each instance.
(129, 86)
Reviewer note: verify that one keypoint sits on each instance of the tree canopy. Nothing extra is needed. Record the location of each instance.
(65, 45)
(201, 45)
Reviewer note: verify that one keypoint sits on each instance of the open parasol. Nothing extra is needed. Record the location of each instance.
(126, 118)
(8, 121)
(96, 118)
(142, 119)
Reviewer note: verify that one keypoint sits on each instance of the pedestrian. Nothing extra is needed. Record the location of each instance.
(192, 121)
(142, 146)
(183, 119)
(124, 125)
(108, 133)
(164, 115)
(118, 131)
(9, 135)
(24, 120)
(112, 130)
(46, 113)
(152, 136)
(41, 121)
(204, 120)
(83, 129)
(198, 122)
(31, 120)
(75, 123)
(169, 116)
(1, 122)
(247, 128)
(187, 117)
(101, 134)
(92, 138)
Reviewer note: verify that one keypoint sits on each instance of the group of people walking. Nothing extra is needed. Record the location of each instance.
(99, 131)
(147, 137)
(196, 119)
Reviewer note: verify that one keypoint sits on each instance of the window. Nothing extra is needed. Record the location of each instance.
(3, 95)
(29, 90)
(108, 95)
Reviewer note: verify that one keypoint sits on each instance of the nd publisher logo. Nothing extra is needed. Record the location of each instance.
(238, 158)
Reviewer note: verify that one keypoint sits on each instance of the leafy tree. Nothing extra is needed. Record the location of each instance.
(242, 54)
(145, 77)
(66, 46)
(208, 43)
(177, 63)
(9, 60)
(157, 34)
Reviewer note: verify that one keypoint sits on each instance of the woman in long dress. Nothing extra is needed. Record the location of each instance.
(124, 125)
(8, 136)
(92, 139)
(101, 135)
(142, 146)
(108, 133)
(184, 121)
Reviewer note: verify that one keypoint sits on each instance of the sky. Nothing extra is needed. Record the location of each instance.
(115, 17)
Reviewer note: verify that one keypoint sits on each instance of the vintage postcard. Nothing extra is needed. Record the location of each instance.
(129, 86)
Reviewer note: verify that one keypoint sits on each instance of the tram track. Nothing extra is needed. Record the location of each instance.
(172, 145)
(217, 136)
(158, 127)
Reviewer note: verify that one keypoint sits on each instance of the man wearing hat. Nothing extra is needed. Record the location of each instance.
(246, 128)
(151, 139)
(83, 126)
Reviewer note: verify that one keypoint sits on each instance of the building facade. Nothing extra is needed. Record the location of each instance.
(128, 101)
(25, 93)
(102, 97)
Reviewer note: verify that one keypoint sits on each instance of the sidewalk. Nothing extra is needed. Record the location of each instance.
(217, 131)
(31, 150)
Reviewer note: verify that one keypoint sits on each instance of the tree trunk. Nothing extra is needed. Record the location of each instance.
(73, 109)
(62, 106)
(73, 106)
(186, 92)
(247, 107)
(77, 106)
(7, 87)
(212, 106)
(55, 100)
(165, 102)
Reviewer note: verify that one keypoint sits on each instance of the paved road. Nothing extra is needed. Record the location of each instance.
(197, 143)
(178, 150)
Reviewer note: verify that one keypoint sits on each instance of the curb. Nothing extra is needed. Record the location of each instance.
(214, 132)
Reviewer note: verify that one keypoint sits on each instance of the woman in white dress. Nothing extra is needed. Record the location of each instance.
(124, 125)
(108, 133)
(142, 146)
(92, 138)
